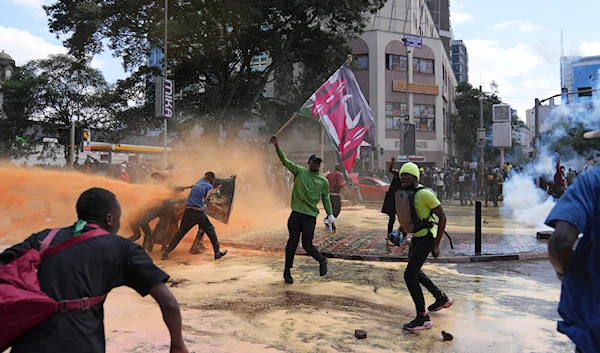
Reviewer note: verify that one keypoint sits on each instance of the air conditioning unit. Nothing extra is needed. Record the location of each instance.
(501, 113)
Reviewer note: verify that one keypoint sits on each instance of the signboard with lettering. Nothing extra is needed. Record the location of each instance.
(404, 159)
(413, 41)
(420, 88)
(86, 141)
(164, 98)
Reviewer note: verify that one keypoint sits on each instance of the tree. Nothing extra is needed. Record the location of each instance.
(47, 95)
(566, 139)
(466, 123)
(212, 45)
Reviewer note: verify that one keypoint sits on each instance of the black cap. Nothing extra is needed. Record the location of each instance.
(314, 157)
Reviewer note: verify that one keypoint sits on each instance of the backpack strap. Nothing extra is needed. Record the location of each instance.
(78, 304)
(71, 241)
(48, 239)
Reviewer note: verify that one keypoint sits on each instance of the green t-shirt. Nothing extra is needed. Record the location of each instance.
(309, 188)
(425, 201)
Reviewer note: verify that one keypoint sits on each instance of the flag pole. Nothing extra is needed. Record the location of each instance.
(287, 124)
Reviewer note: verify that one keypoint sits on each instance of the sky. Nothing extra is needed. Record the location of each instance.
(516, 43)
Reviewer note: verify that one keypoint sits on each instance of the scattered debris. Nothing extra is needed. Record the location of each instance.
(360, 334)
(447, 336)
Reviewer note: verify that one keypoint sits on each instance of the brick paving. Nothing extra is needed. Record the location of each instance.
(367, 244)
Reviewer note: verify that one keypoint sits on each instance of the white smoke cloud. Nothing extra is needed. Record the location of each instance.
(530, 205)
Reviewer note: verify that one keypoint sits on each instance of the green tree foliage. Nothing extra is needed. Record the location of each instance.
(466, 123)
(45, 96)
(212, 43)
(566, 139)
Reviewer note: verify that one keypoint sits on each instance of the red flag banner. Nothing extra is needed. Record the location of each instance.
(345, 115)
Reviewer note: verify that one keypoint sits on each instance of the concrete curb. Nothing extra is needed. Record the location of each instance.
(532, 255)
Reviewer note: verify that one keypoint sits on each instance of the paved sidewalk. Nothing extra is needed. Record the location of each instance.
(370, 245)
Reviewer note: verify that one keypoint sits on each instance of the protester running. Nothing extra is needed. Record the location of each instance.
(309, 188)
(422, 243)
(195, 214)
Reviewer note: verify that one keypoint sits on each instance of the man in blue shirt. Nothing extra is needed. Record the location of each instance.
(578, 212)
(195, 214)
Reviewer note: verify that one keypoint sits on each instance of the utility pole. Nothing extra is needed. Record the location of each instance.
(72, 154)
(481, 138)
(165, 77)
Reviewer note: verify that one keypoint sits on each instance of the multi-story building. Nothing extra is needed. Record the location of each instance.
(566, 76)
(545, 111)
(440, 14)
(460, 61)
(383, 71)
(585, 78)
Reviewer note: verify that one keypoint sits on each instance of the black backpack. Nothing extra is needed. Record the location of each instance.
(407, 215)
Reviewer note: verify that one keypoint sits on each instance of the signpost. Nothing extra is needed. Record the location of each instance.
(413, 41)
(164, 104)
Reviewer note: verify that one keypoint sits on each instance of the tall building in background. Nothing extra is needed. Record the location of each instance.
(566, 77)
(578, 74)
(440, 14)
(584, 73)
(460, 61)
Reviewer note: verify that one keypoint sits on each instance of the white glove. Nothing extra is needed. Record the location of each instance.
(329, 221)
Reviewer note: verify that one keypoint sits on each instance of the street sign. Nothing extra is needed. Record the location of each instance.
(413, 41)
(480, 144)
(164, 98)
(404, 159)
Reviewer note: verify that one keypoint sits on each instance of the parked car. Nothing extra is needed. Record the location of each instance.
(372, 188)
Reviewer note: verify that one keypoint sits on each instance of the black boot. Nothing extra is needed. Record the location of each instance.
(287, 276)
(323, 267)
(220, 254)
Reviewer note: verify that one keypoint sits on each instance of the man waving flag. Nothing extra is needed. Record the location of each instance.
(345, 115)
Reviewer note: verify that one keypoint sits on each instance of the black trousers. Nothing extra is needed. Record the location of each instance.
(419, 249)
(301, 224)
(336, 205)
(391, 223)
(193, 218)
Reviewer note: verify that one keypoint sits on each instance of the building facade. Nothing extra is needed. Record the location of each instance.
(383, 70)
(585, 78)
(460, 61)
(545, 111)
(566, 76)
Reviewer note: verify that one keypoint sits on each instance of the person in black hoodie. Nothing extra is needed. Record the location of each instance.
(389, 203)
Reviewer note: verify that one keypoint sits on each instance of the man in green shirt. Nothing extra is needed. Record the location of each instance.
(309, 187)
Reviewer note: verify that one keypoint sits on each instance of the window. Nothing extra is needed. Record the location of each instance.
(368, 182)
(424, 66)
(424, 115)
(362, 61)
(396, 62)
(394, 113)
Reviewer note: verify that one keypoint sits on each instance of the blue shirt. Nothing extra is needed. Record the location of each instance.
(579, 304)
(197, 197)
